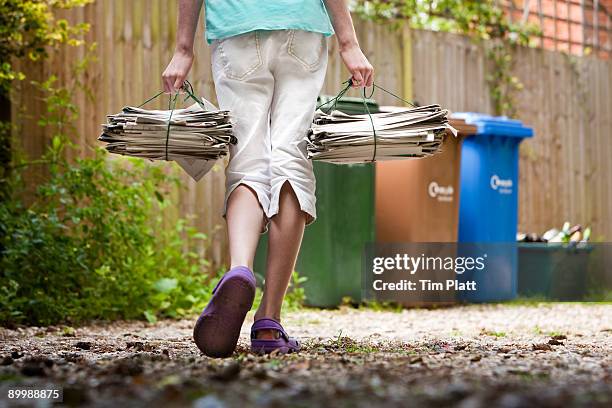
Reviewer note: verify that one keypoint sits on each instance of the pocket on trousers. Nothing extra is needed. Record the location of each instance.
(307, 47)
(240, 55)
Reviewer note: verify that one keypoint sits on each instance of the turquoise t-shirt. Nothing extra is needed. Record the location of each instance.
(226, 18)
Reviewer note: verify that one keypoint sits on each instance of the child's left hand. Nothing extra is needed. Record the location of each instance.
(358, 65)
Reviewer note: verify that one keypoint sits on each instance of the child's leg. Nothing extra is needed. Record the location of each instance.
(245, 87)
(245, 221)
(285, 237)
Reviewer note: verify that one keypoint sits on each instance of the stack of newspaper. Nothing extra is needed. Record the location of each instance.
(394, 133)
(195, 137)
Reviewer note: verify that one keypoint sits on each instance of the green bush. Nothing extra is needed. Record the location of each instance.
(93, 246)
(93, 242)
(296, 296)
(28, 29)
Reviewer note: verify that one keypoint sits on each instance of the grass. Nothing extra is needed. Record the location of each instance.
(273, 363)
(537, 330)
(361, 348)
(374, 305)
(603, 296)
(526, 301)
(492, 333)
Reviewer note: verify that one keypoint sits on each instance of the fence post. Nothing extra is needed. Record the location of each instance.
(407, 62)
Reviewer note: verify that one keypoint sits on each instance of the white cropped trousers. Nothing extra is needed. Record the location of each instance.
(269, 81)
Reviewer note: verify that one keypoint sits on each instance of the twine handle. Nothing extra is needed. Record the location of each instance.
(188, 89)
(349, 84)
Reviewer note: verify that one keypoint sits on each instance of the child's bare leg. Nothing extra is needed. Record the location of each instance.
(285, 238)
(217, 330)
(245, 221)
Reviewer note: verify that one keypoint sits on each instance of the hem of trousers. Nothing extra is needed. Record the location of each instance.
(306, 205)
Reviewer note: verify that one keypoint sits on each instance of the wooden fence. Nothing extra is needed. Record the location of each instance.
(565, 169)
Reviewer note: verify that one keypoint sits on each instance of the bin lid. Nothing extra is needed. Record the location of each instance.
(495, 125)
(349, 105)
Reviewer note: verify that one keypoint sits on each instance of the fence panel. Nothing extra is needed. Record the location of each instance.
(565, 169)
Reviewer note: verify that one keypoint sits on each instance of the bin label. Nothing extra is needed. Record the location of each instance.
(441, 193)
(502, 186)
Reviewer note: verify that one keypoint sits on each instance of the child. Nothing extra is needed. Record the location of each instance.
(268, 62)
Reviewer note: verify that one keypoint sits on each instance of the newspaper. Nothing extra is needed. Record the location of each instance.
(400, 133)
(195, 137)
(200, 134)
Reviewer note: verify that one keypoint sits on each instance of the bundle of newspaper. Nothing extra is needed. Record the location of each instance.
(392, 134)
(195, 137)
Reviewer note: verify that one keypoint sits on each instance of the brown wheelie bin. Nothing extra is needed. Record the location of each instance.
(417, 201)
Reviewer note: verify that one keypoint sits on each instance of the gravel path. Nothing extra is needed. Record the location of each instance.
(552, 355)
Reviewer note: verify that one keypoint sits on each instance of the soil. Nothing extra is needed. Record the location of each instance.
(544, 355)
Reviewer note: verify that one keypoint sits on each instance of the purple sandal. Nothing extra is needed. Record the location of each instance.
(284, 344)
(217, 330)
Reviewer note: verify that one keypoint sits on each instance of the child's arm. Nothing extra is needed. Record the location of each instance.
(357, 63)
(176, 72)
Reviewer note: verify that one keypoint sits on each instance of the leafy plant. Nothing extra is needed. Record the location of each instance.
(93, 242)
(296, 296)
(383, 306)
(28, 28)
(93, 245)
(480, 20)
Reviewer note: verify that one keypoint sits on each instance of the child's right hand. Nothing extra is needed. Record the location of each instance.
(176, 72)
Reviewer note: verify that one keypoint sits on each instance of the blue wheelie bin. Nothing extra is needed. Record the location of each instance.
(488, 204)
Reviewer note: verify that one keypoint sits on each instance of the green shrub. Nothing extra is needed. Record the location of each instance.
(93, 245)
(93, 242)
(296, 296)
(29, 28)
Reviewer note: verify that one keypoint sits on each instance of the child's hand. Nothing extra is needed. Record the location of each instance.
(358, 65)
(176, 72)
